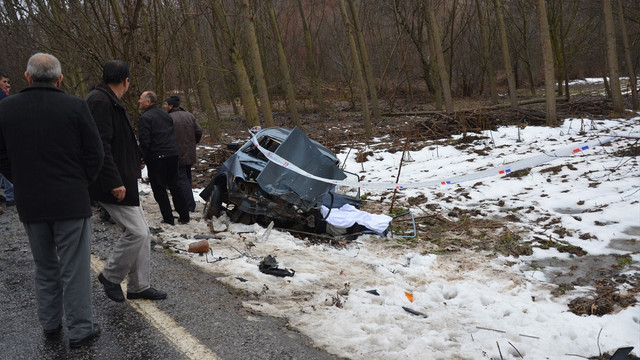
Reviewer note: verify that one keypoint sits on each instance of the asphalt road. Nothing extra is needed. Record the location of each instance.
(201, 318)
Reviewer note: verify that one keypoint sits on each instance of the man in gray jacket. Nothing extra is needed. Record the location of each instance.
(188, 134)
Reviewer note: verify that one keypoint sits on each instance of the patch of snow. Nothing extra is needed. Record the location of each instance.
(472, 299)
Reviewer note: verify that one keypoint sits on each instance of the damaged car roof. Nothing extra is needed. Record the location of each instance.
(248, 183)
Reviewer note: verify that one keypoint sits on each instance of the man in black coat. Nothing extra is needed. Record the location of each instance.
(51, 150)
(116, 189)
(160, 153)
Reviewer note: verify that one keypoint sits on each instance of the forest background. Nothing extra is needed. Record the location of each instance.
(293, 57)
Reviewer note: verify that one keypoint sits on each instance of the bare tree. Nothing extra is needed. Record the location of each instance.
(311, 60)
(612, 57)
(357, 68)
(412, 21)
(627, 55)
(202, 80)
(364, 57)
(442, 67)
(511, 80)
(284, 65)
(523, 40)
(239, 70)
(256, 61)
(486, 60)
(547, 56)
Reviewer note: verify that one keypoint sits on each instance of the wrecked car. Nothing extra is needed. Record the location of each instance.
(251, 189)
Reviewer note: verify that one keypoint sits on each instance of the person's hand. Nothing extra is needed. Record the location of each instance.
(119, 193)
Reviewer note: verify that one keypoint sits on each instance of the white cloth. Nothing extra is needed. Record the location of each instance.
(348, 215)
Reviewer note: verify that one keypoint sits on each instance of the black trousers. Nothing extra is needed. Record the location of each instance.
(185, 183)
(163, 174)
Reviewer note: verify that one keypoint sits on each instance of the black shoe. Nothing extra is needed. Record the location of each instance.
(149, 294)
(184, 221)
(11, 203)
(168, 222)
(88, 340)
(53, 334)
(113, 290)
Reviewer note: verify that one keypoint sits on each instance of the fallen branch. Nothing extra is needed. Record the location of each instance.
(504, 332)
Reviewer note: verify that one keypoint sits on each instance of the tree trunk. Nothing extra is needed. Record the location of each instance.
(612, 58)
(491, 76)
(202, 80)
(565, 71)
(256, 60)
(513, 96)
(366, 64)
(284, 66)
(547, 58)
(357, 69)
(442, 67)
(437, 84)
(318, 99)
(627, 56)
(239, 70)
(417, 40)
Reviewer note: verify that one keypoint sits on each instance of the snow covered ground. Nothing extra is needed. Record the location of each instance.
(453, 305)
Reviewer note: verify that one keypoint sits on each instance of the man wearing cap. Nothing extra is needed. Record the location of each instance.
(188, 134)
(160, 152)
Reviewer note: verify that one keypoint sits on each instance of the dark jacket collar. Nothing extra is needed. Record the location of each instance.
(40, 85)
(151, 107)
(104, 88)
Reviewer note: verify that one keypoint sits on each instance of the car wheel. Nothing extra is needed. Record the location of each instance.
(214, 206)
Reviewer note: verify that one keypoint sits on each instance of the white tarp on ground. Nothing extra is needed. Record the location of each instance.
(348, 215)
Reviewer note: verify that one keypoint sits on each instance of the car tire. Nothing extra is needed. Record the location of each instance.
(214, 207)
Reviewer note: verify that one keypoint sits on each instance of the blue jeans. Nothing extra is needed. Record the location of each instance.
(8, 188)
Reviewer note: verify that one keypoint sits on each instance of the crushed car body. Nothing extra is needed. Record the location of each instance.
(250, 188)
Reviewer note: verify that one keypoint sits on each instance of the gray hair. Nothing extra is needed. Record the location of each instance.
(152, 97)
(43, 67)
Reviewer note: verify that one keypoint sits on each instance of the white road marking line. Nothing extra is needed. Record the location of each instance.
(176, 334)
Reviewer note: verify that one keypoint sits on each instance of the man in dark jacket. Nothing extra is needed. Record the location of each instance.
(188, 134)
(116, 189)
(51, 150)
(160, 153)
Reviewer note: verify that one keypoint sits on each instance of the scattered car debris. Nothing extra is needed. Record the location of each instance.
(622, 353)
(414, 312)
(199, 247)
(344, 291)
(269, 265)
(202, 248)
(266, 233)
(202, 237)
